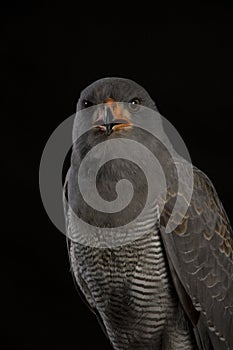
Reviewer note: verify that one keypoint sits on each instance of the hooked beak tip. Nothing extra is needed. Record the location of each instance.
(108, 129)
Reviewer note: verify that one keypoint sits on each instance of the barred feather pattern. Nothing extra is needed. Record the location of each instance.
(131, 290)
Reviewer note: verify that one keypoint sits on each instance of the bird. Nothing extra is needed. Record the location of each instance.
(161, 290)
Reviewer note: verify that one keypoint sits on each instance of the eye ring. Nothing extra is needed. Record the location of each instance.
(134, 104)
(87, 103)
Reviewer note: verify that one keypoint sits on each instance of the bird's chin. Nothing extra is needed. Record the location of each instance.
(119, 127)
(116, 129)
(100, 128)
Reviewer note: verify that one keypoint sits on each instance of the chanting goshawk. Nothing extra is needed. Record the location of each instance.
(162, 290)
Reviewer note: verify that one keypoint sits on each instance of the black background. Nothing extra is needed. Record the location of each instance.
(183, 58)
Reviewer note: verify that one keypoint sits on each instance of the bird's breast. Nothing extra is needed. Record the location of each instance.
(130, 287)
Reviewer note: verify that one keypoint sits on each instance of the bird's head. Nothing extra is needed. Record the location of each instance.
(117, 135)
(117, 101)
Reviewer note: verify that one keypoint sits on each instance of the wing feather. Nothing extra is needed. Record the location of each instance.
(201, 251)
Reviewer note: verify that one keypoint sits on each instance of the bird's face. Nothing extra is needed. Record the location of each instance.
(116, 118)
(117, 101)
(113, 116)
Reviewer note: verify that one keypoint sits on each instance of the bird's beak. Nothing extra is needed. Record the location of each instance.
(108, 119)
(113, 117)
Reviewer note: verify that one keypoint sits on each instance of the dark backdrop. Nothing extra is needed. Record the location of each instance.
(184, 59)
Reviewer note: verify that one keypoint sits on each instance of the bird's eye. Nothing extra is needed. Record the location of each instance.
(134, 104)
(87, 103)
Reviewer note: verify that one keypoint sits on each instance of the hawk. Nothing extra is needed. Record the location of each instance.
(162, 290)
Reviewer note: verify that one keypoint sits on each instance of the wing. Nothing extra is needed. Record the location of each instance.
(80, 284)
(200, 253)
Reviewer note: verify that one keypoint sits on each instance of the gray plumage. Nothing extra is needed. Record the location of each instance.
(162, 291)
